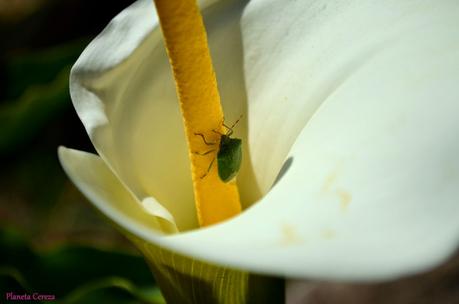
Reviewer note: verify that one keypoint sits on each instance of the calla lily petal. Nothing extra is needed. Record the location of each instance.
(298, 53)
(355, 101)
(143, 140)
(106, 192)
(372, 189)
(181, 279)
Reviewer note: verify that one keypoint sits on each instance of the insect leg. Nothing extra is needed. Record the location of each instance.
(204, 139)
(208, 169)
(215, 131)
(205, 153)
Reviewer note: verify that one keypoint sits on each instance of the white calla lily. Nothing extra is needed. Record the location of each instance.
(355, 102)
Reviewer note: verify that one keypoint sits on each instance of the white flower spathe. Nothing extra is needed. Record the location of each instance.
(356, 102)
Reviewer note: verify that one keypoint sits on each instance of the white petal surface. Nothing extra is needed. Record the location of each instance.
(297, 53)
(360, 97)
(372, 190)
(92, 176)
(137, 129)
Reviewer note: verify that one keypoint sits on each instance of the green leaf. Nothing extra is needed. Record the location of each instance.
(12, 280)
(39, 68)
(20, 119)
(36, 91)
(75, 274)
(113, 290)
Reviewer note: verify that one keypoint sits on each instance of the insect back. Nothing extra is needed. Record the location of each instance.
(229, 154)
(229, 158)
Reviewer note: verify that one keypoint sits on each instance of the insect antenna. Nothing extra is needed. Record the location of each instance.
(230, 129)
(235, 123)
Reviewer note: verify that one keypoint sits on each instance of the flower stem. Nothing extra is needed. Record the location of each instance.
(196, 84)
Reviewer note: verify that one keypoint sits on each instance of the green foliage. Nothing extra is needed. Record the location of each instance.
(36, 90)
(75, 274)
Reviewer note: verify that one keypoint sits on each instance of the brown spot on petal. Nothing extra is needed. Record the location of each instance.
(329, 180)
(344, 198)
(289, 235)
(328, 234)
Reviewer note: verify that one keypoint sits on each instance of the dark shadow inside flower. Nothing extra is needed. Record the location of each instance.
(285, 167)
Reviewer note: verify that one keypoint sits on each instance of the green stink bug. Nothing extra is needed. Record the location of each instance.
(229, 155)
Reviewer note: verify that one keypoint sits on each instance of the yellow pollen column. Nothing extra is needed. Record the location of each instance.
(189, 56)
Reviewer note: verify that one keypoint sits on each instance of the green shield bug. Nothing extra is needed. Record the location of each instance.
(229, 155)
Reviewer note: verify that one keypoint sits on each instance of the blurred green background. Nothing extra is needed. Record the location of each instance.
(51, 240)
